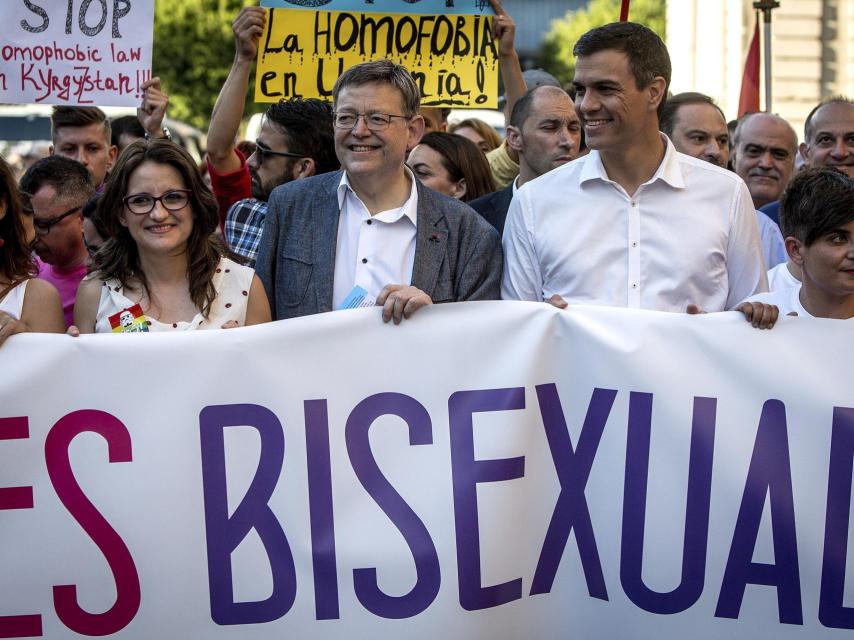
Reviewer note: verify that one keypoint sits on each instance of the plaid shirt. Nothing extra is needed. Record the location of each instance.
(243, 226)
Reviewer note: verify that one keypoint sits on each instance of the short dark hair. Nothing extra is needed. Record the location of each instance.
(838, 99)
(69, 178)
(816, 202)
(16, 261)
(119, 256)
(122, 125)
(383, 72)
(462, 160)
(667, 115)
(90, 212)
(78, 117)
(307, 126)
(646, 52)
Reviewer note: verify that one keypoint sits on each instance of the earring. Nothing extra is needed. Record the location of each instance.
(2, 241)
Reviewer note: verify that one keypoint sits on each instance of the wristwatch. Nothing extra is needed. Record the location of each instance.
(166, 134)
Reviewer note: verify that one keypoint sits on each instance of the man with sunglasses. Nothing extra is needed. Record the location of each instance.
(295, 142)
(373, 233)
(56, 188)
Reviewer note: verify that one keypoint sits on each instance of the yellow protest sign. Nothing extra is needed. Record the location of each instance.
(453, 58)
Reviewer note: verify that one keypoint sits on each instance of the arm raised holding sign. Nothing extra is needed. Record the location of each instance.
(504, 30)
(228, 110)
(153, 109)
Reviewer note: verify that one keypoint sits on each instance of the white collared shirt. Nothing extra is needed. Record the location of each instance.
(687, 235)
(373, 251)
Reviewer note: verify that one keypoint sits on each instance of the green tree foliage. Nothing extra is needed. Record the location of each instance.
(193, 50)
(556, 52)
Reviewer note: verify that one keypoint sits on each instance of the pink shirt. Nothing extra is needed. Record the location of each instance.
(66, 282)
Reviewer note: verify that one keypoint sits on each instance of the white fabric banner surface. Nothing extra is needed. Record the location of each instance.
(485, 470)
(75, 52)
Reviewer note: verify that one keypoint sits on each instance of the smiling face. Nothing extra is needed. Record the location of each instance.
(615, 112)
(765, 156)
(160, 231)
(375, 155)
(831, 141)
(700, 131)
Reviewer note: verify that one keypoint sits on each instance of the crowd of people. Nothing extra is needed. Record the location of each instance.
(609, 191)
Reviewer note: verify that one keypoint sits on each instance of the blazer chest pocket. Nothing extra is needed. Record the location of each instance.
(295, 279)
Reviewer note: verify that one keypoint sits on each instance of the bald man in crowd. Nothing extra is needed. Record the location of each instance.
(764, 155)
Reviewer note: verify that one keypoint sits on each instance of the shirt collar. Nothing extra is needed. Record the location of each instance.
(408, 209)
(669, 170)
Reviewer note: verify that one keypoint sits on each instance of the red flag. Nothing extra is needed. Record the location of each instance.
(749, 99)
(624, 11)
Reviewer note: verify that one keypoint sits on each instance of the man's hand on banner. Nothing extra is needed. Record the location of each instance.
(401, 301)
(248, 27)
(557, 301)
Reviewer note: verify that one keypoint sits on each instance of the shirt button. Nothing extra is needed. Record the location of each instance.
(635, 285)
(364, 261)
(370, 221)
(634, 204)
(634, 244)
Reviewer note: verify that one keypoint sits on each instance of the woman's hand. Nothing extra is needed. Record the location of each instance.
(9, 326)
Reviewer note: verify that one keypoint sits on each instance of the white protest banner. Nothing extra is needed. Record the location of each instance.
(75, 52)
(485, 470)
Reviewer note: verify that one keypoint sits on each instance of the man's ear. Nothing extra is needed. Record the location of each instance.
(804, 150)
(514, 138)
(415, 131)
(304, 168)
(113, 153)
(657, 92)
(794, 248)
(50, 150)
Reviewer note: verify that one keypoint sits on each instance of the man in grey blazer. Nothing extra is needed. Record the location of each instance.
(372, 229)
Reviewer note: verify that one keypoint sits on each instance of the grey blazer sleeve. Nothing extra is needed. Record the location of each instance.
(265, 263)
(480, 269)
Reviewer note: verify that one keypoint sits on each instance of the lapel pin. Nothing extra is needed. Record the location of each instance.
(434, 238)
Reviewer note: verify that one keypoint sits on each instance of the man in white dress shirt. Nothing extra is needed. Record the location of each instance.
(634, 223)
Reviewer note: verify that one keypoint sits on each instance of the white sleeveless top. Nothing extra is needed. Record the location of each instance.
(13, 302)
(231, 281)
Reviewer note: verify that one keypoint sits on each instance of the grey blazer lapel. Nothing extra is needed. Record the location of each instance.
(324, 216)
(431, 242)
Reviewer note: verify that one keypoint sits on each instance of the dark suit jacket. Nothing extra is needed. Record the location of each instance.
(493, 207)
(457, 254)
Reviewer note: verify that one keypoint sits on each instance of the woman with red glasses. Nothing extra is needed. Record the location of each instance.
(26, 304)
(163, 268)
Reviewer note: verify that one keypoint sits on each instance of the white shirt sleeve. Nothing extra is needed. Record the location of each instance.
(522, 279)
(745, 266)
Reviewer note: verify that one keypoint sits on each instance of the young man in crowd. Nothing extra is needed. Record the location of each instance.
(633, 223)
(697, 127)
(83, 134)
(295, 142)
(818, 222)
(545, 132)
(373, 231)
(56, 188)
